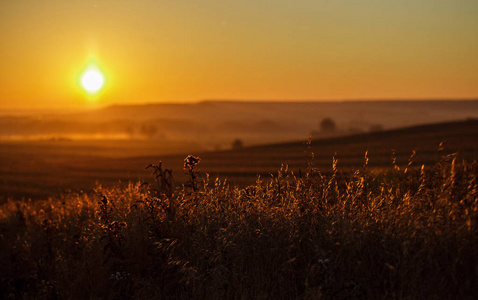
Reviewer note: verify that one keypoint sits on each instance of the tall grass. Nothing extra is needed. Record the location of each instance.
(402, 233)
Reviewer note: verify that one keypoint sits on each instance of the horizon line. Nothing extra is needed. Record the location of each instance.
(232, 100)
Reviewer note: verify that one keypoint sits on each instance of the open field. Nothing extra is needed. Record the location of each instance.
(397, 233)
(353, 229)
(39, 169)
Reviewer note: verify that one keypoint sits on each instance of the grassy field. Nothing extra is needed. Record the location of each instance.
(394, 233)
(42, 169)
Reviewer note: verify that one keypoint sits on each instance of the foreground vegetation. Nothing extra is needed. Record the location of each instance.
(401, 233)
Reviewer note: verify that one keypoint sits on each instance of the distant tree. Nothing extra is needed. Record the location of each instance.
(237, 144)
(129, 131)
(149, 130)
(328, 125)
(375, 127)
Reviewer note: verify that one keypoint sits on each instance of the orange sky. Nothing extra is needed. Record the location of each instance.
(174, 51)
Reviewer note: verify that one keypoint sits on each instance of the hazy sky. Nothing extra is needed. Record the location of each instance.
(178, 50)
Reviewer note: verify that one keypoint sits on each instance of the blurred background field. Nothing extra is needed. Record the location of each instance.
(50, 154)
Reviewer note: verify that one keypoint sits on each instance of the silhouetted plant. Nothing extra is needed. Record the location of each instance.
(190, 165)
(112, 230)
(163, 199)
(164, 179)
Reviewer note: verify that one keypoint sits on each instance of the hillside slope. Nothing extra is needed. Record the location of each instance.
(27, 170)
(216, 124)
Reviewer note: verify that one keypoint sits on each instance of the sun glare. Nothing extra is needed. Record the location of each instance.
(92, 81)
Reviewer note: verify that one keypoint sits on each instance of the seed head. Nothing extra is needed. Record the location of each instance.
(191, 161)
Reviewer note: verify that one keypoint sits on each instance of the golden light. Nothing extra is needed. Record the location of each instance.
(92, 81)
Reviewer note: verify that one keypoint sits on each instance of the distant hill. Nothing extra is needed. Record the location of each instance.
(291, 120)
(40, 169)
(390, 114)
(216, 124)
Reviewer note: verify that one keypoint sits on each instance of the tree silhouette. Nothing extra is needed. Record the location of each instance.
(328, 125)
(237, 144)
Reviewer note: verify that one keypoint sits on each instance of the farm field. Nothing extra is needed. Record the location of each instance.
(355, 229)
(40, 169)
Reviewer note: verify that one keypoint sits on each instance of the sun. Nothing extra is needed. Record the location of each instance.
(92, 81)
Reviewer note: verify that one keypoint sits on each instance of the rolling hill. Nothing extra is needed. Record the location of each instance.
(216, 124)
(41, 169)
